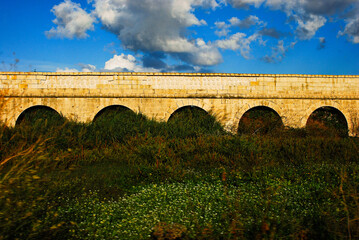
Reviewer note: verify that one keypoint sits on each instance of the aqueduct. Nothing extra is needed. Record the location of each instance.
(80, 96)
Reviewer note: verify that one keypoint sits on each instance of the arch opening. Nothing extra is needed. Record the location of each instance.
(327, 122)
(40, 114)
(112, 112)
(260, 120)
(192, 120)
(188, 112)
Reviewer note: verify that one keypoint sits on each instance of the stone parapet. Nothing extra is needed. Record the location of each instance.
(179, 85)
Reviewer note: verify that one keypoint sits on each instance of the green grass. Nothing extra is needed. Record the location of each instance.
(128, 177)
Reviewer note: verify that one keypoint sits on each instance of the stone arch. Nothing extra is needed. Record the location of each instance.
(185, 103)
(32, 110)
(260, 120)
(319, 104)
(112, 108)
(328, 121)
(191, 120)
(97, 105)
(187, 107)
(16, 106)
(243, 108)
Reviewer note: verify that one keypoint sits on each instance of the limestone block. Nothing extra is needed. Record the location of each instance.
(23, 86)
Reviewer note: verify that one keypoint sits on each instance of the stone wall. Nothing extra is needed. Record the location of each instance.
(80, 96)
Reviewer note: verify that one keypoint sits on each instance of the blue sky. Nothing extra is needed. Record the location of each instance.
(231, 36)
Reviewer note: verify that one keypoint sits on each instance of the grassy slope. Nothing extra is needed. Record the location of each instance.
(128, 177)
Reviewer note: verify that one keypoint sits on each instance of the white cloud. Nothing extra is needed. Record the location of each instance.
(243, 3)
(84, 68)
(223, 29)
(247, 22)
(126, 63)
(152, 27)
(306, 30)
(66, 69)
(239, 41)
(156, 25)
(326, 7)
(284, 5)
(307, 23)
(232, 42)
(278, 52)
(204, 54)
(309, 15)
(71, 20)
(87, 67)
(351, 29)
(316, 7)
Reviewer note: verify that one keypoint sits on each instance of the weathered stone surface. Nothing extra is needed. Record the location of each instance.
(80, 96)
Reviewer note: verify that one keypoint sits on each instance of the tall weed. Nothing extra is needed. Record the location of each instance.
(127, 169)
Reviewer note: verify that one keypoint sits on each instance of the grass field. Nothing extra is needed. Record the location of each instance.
(128, 177)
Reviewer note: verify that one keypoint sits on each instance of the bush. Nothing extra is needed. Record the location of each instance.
(127, 176)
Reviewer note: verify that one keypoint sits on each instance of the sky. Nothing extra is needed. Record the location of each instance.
(224, 36)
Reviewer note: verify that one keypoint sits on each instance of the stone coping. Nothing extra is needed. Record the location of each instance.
(173, 74)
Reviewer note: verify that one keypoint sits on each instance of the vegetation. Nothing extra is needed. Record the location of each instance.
(128, 177)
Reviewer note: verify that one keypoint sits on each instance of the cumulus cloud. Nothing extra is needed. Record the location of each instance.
(157, 30)
(244, 3)
(87, 67)
(307, 22)
(158, 25)
(142, 26)
(307, 29)
(278, 52)
(204, 54)
(247, 22)
(148, 63)
(126, 63)
(310, 15)
(272, 32)
(239, 41)
(71, 20)
(326, 7)
(223, 28)
(351, 29)
(317, 7)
